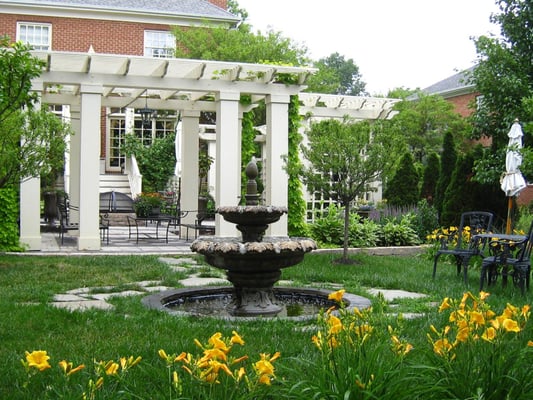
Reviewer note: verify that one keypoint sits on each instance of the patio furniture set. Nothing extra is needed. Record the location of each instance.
(502, 254)
(138, 227)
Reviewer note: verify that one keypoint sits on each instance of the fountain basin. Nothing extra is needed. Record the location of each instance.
(253, 268)
(297, 304)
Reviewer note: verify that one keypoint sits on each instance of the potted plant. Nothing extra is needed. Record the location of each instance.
(147, 204)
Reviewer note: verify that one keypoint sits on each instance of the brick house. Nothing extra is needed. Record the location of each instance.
(463, 95)
(122, 27)
(108, 59)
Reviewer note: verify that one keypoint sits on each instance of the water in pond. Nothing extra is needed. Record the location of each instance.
(217, 304)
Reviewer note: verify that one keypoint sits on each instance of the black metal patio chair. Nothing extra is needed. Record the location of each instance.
(472, 223)
(507, 255)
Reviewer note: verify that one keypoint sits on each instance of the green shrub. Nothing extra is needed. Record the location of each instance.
(400, 233)
(364, 232)
(329, 229)
(9, 211)
(426, 219)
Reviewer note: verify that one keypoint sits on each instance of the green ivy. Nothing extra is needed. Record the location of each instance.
(297, 207)
(9, 211)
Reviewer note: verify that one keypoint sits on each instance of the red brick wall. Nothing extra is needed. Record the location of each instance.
(461, 103)
(220, 3)
(76, 34)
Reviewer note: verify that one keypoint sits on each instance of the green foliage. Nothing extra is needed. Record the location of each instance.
(296, 225)
(344, 160)
(504, 73)
(457, 199)
(33, 141)
(364, 232)
(402, 190)
(145, 203)
(426, 219)
(447, 165)
(400, 234)
(430, 178)
(240, 44)
(422, 123)
(336, 76)
(329, 228)
(248, 148)
(9, 212)
(156, 162)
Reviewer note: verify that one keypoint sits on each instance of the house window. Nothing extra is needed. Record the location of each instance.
(159, 127)
(39, 36)
(159, 44)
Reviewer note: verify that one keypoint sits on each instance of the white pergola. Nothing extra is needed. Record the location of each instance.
(87, 82)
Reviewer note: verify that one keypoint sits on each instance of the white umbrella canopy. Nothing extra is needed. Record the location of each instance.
(512, 181)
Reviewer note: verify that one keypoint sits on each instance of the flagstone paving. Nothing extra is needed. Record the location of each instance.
(97, 298)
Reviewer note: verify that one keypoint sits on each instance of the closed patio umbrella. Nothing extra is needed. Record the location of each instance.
(512, 181)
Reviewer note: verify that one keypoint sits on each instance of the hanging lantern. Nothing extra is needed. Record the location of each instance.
(147, 114)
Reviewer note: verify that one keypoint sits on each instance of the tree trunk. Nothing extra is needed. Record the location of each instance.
(346, 231)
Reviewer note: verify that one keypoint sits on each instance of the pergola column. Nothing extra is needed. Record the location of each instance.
(30, 206)
(89, 161)
(74, 164)
(189, 164)
(277, 146)
(228, 158)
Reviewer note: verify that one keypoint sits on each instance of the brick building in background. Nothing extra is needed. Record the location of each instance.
(123, 27)
(463, 96)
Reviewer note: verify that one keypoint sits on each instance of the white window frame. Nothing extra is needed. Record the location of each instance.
(159, 44)
(44, 42)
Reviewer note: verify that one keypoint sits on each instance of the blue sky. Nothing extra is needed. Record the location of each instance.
(409, 43)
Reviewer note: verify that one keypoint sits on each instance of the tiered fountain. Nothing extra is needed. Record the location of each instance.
(253, 265)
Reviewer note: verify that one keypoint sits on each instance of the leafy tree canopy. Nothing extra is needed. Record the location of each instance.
(32, 142)
(336, 75)
(421, 124)
(504, 74)
(345, 158)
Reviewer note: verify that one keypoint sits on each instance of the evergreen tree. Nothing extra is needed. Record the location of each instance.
(458, 195)
(430, 179)
(402, 190)
(447, 165)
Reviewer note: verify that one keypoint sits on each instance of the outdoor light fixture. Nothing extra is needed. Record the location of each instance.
(146, 114)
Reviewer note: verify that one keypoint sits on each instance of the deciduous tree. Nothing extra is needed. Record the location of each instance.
(345, 158)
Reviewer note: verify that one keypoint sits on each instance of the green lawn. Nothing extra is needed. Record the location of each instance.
(29, 322)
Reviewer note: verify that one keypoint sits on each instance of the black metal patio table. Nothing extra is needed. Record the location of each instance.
(136, 222)
(501, 246)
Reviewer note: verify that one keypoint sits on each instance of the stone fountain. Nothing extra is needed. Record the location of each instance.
(253, 263)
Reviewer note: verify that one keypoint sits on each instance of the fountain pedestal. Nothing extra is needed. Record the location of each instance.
(253, 263)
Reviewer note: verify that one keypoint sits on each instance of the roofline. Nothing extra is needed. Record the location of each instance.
(92, 12)
(456, 91)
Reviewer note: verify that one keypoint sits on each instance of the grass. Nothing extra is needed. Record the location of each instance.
(28, 284)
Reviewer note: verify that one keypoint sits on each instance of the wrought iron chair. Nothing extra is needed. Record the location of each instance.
(64, 218)
(472, 222)
(502, 252)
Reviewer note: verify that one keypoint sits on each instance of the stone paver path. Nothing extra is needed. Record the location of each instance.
(86, 298)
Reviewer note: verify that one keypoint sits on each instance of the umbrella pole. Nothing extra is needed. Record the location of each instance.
(509, 215)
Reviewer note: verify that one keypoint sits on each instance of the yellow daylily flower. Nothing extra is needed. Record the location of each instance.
(38, 359)
(236, 339)
(217, 342)
(510, 325)
(335, 324)
(477, 318)
(337, 296)
(489, 335)
(67, 367)
(445, 304)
